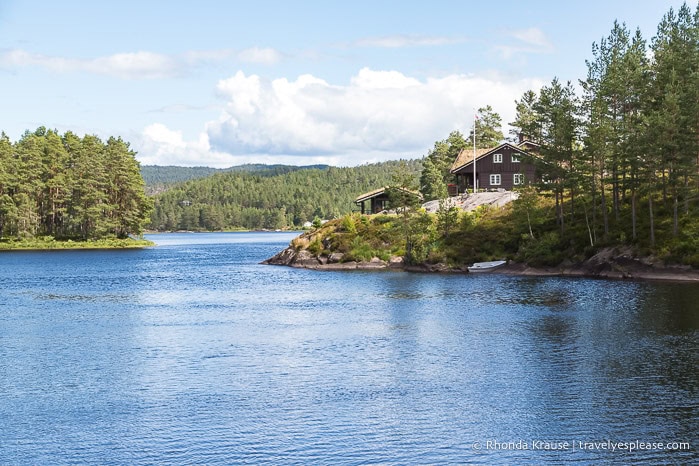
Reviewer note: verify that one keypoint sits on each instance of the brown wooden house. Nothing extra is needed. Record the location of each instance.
(376, 201)
(500, 167)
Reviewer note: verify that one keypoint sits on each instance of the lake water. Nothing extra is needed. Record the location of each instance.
(192, 353)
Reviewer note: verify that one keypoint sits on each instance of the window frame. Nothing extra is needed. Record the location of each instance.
(515, 157)
(518, 179)
(494, 177)
(497, 158)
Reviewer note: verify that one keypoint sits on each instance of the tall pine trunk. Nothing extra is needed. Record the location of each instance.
(633, 213)
(605, 215)
(652, 220)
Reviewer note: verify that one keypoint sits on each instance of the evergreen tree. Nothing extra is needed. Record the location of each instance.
(526, 125)
(437, 165)
(488, 128)
(558, 110)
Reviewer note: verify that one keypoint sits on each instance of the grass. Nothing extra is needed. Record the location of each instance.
(43, 243)
(503, 233)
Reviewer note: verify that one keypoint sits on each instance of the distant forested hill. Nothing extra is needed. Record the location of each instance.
(272, 197)
(159, 177)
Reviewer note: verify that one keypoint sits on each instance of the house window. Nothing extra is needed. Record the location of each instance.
(518, 178)
(495, 180)
(515, 157)
(497, 158)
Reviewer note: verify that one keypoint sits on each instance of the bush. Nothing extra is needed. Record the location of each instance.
(543, 251)
(348, 224)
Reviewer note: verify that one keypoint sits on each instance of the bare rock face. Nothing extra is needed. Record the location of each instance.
(304, 258)
(335, 258)
(284, 257)
(396, 262)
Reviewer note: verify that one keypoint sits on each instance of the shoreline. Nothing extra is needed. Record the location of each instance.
(69, 245)
(610, 263)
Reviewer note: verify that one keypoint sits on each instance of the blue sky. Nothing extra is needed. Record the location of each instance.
(220, 83)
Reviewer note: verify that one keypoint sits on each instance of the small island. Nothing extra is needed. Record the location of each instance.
(66, 192)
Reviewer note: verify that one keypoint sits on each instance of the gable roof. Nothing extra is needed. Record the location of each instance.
(465, 157)
(378, 192)
(370, 194)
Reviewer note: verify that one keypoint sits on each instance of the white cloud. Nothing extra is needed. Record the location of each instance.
(379, 115)
(533, 36)
(263, 56)
(159, 145)
(530, 40)
(137, 65)
(398, 41)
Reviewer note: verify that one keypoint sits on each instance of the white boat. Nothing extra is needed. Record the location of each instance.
(479, 267)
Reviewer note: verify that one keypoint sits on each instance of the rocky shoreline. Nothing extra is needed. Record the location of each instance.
(612, 263)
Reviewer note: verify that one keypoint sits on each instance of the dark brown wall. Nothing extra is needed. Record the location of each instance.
(485, 167)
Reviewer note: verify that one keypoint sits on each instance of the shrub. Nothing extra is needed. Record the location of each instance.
(543, 251)
(348, 224)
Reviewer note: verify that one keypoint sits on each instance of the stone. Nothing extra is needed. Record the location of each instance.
(396, 262)
(335, 257)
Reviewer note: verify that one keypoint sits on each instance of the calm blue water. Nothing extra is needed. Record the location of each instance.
(192, 353)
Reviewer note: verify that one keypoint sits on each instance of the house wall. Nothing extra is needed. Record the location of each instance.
(486, 166)
(374, 205)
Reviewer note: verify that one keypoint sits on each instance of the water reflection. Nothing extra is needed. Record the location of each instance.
(193, 353)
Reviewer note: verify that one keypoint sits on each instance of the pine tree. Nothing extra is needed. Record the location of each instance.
(488, 128)
(436, 166)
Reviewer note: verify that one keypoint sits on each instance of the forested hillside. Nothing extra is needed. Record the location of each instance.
(69, 187)
(255, 200)
(159, 177)
(621, 159)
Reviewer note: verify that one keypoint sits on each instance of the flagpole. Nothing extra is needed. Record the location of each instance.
(475, 185)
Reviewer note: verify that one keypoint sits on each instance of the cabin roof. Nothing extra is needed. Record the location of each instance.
(465, 157)
(378, 192)
(370, 194)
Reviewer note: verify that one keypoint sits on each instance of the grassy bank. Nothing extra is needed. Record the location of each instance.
(524, 231)
(49, 243)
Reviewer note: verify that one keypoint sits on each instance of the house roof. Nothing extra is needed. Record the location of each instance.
(378, 192)
(369, 195)
(465, 157)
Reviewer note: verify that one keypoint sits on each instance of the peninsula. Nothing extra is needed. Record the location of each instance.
(67, 192)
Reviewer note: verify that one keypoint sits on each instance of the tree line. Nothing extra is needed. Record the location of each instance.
(619, 158)
(269, 199)
(630, 143)
(69, 187)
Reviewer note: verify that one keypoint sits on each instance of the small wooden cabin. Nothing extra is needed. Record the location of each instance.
(500, 167)
(376, 201)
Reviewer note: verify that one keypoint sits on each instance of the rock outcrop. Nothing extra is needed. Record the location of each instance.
(617, 263)
(303, 258)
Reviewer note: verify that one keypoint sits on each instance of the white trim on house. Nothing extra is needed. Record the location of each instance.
(495, 179)
(517, 179)
(497, 158)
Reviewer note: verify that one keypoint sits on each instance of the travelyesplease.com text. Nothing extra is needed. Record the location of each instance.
(608, 445)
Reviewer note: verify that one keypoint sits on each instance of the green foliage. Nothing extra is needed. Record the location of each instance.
(543, 251)
(349, 224)
(68, 187)
(488, 128)
(49, 242)
(436, 166)
(447, 218)
(269, 200)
